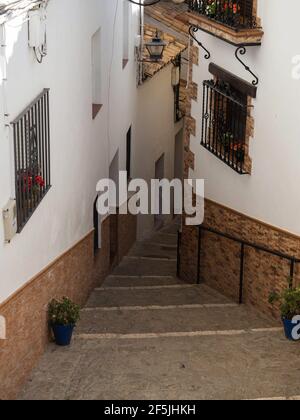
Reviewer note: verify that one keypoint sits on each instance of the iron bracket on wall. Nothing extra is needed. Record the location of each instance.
(192, 31)
(241, 49)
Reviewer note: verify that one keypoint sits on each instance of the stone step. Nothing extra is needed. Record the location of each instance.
(233, 367)
(138, 281)
(131, 266)
(171, 228)
(169, 320)
(154, 297)
(163, 239)
(152, 250)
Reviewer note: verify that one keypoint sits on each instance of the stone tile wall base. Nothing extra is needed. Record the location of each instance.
(220, 257)
(74, 274)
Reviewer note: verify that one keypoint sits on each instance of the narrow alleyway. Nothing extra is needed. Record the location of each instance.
(146, 335)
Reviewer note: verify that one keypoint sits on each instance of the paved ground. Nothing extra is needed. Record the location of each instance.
(145, 335)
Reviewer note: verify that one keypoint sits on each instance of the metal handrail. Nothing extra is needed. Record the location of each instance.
(244, 244)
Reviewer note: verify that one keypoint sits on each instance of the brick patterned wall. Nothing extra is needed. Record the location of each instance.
(74, 274)
(220, 257)
(127, 233)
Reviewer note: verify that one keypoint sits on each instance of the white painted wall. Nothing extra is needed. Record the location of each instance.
(271, 194)
(155, 133)
(81, 149)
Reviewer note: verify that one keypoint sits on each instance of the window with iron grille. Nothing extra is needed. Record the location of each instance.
(237, 14)
(31, 132)
(224, 123)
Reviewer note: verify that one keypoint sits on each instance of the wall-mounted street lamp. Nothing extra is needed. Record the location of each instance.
(156, 48)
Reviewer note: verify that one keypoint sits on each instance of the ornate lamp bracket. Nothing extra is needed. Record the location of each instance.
(192, 31)
(241, 49)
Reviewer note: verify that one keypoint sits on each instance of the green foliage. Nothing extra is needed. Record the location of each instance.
(289, 302)
(63, 312)
(227, 138)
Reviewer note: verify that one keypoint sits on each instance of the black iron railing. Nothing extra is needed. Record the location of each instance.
(224, 121)
(179, 238)
(32, 157)
(243, 245)
(237, 14)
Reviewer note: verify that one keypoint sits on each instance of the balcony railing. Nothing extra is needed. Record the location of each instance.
(224, 123)
(236, 14)
(32, 157)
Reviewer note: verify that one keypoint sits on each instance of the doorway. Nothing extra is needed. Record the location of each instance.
(114, 239)
(178, 162)
(159, 174)
(96, 228)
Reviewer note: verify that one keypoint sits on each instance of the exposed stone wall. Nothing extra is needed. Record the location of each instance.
(74, 274)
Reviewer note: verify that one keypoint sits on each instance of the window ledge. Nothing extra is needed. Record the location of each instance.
(96, 108)
(242, 37)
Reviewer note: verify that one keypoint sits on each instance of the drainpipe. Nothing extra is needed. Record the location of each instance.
(141, 50)
(3, 72)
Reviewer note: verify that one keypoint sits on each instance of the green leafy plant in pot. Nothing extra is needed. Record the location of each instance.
(63, 317)
(226, 140)
(289, 301)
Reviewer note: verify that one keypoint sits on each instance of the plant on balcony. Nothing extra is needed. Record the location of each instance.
(226, 140)
(222, 8)
(63, 317)
(289, 301)
(211, 9)
(239, 151)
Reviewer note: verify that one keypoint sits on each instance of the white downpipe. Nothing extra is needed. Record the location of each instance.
(3, 71)
(141, 52)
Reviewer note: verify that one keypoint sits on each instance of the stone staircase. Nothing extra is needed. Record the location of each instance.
(146, 335)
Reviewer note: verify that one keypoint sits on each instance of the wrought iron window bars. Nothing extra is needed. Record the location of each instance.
(31, 132)
(224, 120)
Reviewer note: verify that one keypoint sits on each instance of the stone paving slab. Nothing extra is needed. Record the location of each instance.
(251, 366)
(172, 228)
(146, 267)
(154, 250)
(178, 319)
(163, 239)
(137, 281)
(146, 297)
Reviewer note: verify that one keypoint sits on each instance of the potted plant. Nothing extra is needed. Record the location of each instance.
(226, 141)
(290, 308)
(239, 151)
(63, 317)
(211, 9)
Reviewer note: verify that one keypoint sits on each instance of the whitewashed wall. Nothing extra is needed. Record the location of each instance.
(81, 149)
(271, 193)
(155, 133)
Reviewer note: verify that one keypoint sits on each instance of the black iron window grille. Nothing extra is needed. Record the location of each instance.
(31, 132)
(237, 14)
(224, 123)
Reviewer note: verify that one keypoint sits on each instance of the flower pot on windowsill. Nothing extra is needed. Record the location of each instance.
(240, 156)
(63, 316)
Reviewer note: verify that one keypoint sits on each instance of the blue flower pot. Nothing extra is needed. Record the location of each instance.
(289, 326)
(63, 334)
